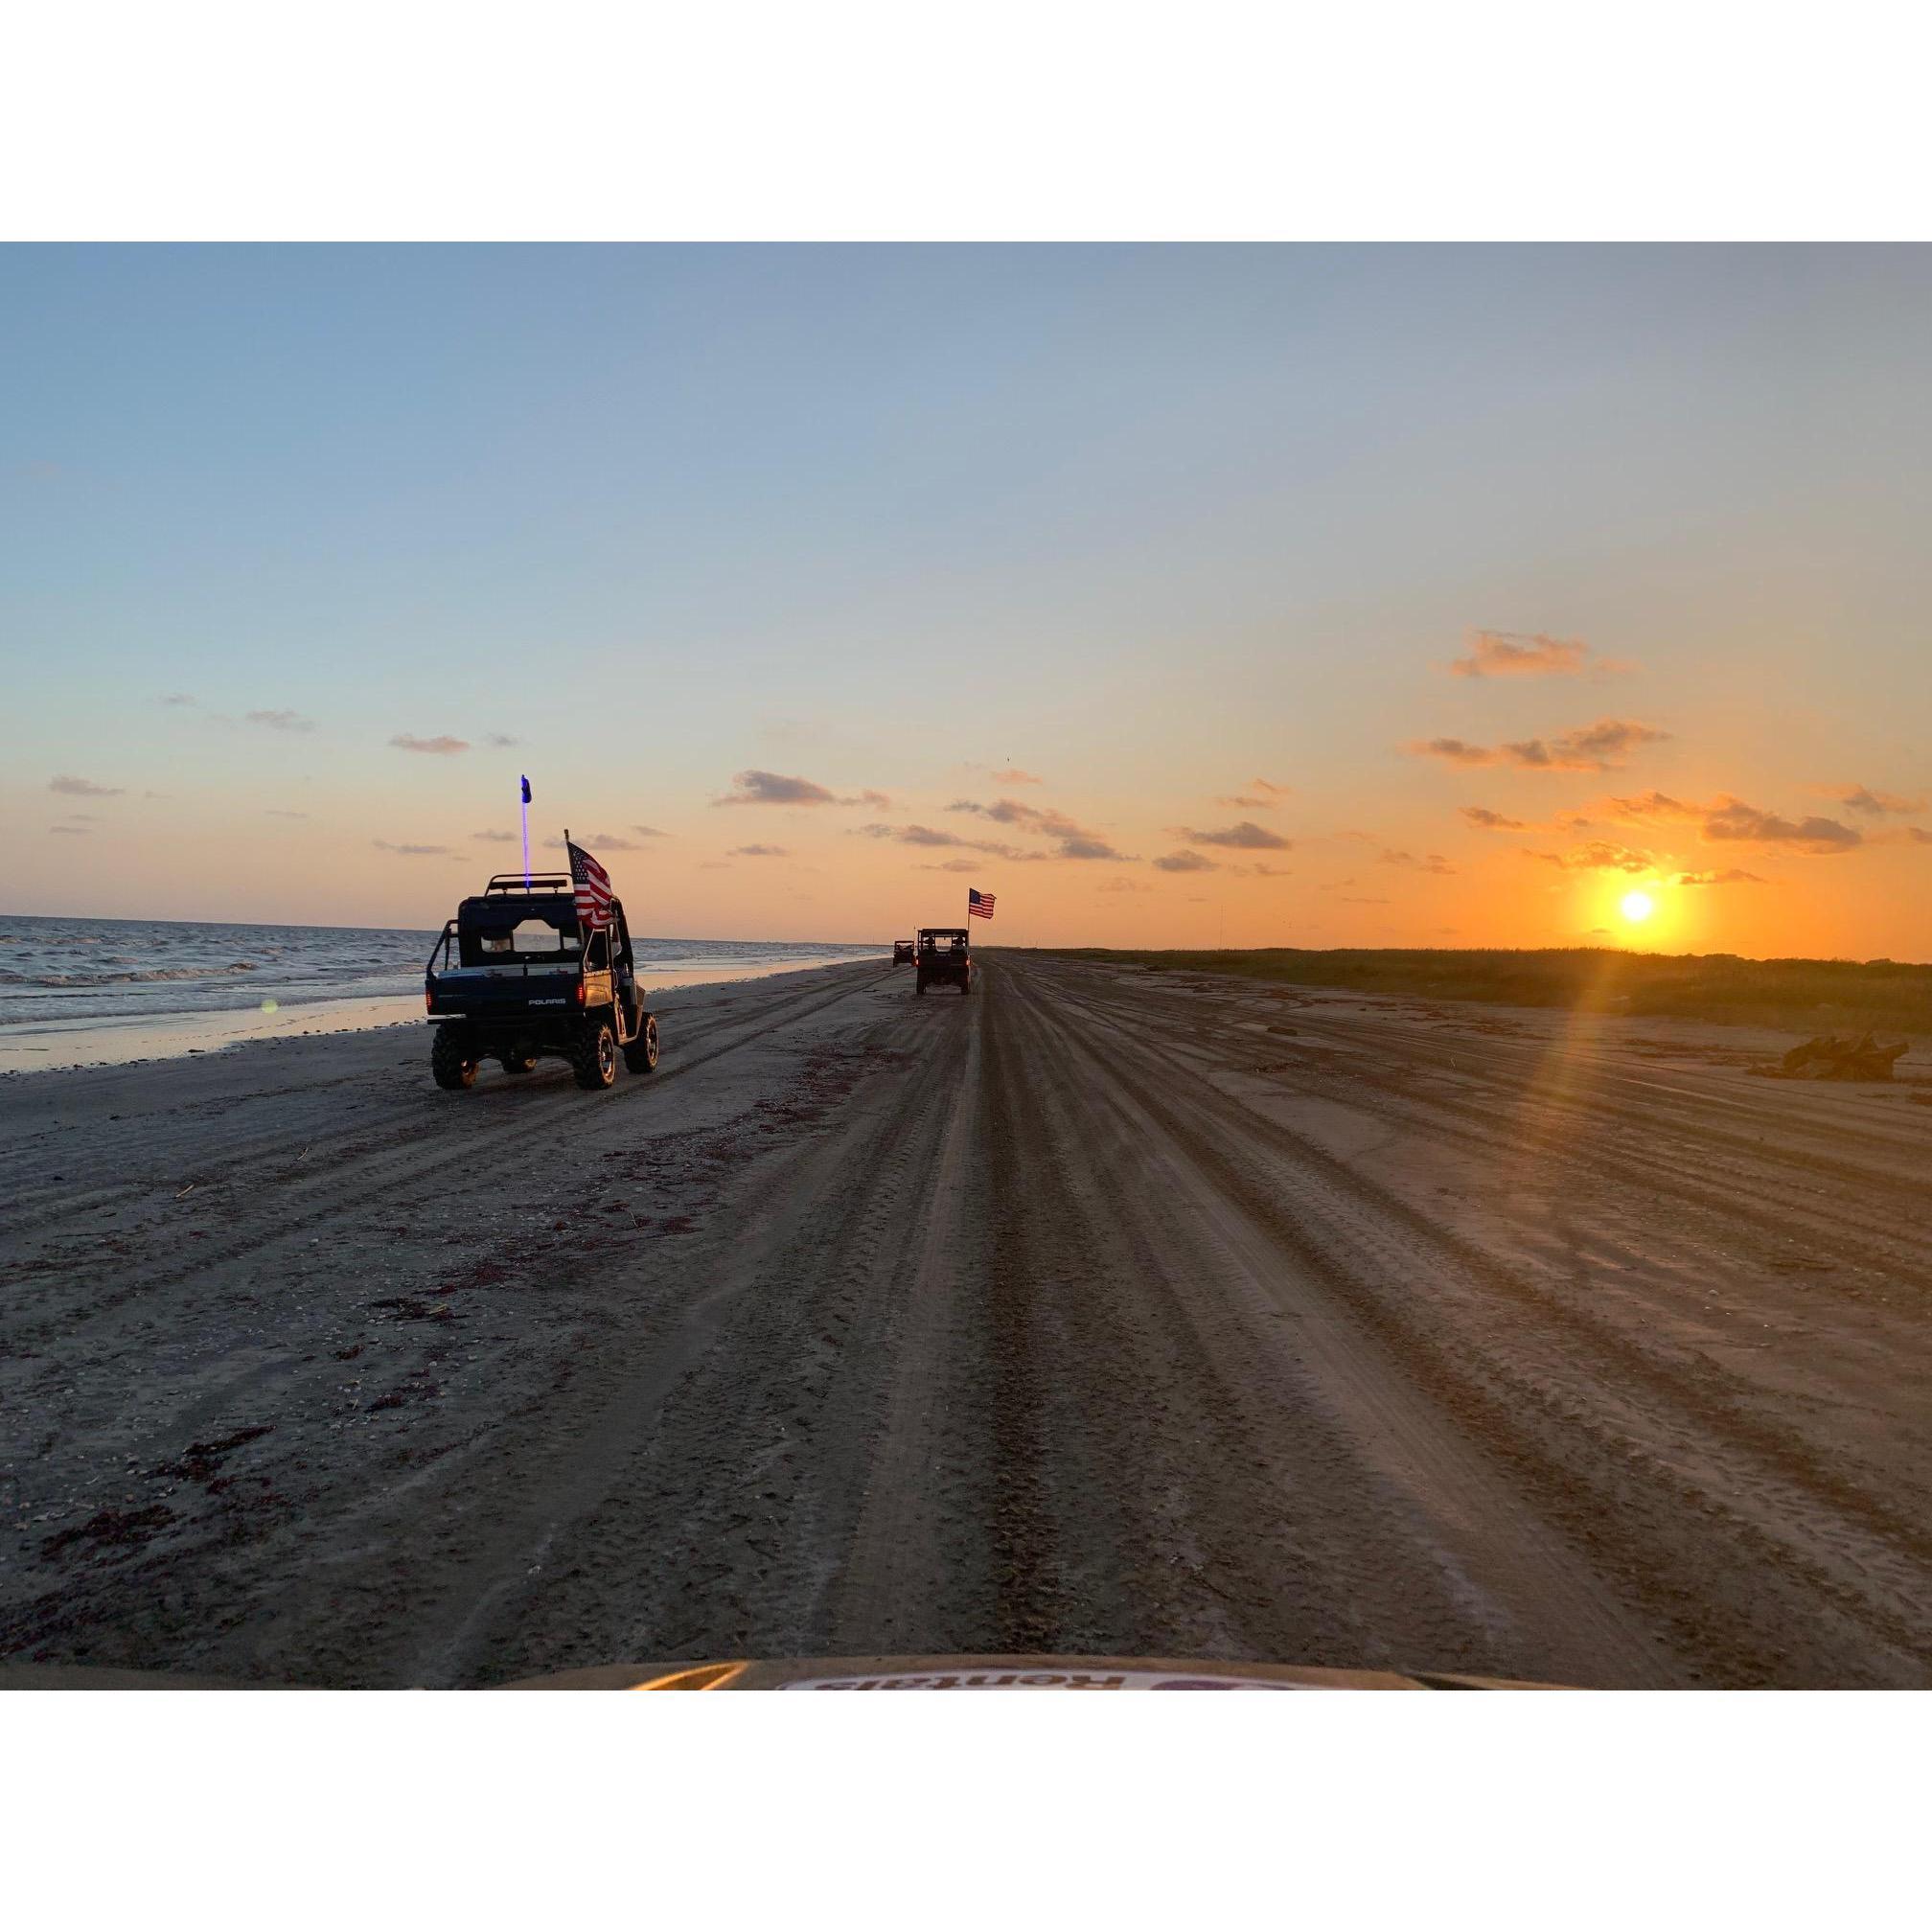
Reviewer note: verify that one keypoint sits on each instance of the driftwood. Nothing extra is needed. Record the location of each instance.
(1830, 1058)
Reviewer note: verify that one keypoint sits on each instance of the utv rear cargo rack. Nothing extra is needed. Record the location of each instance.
(537, 882)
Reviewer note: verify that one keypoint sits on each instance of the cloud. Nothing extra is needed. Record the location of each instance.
(1732, 819)
(774, 787)
(1432, 862)
(1346, 900)
(1491, 821)
(1260, 870)
(412, 851)
(176, 697)
(83, 788)
(1246, 836)
(1873, 804)
(500, 741)
(1731, 876)
(279, 721)
(438, 748)
(1515, 654)
(1075, 842)
(1185, 861)
(1454, 750)
(1903, 835)
(1126, 884)
(1588, 747)
(71, 831)
(1013, 775)
(280, 812)
(1600, 855)
(1727, 820)
(612, 841)
(1260, 795)
(928, 834)
(759, 852)
(648, 832)
(495, 837)
(955, 865)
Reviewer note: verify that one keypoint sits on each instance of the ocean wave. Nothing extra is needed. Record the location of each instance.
(150, 974)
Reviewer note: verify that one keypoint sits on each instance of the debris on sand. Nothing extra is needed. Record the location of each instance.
(1830, 1058)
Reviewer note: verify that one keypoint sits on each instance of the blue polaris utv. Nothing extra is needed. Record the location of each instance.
(525, 981)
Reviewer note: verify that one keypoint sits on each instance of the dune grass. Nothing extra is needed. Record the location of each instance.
(1813, 995)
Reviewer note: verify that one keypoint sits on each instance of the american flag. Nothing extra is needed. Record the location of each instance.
(979, 905)
(593, 888)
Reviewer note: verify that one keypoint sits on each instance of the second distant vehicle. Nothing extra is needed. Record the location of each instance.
(903, 952)
(945, 959)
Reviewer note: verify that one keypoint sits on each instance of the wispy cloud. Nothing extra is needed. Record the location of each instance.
(1872, 804)
(1729, 819)
(1125, 886)
(83, 788)
(173, 698)
(1600, 855)
(1731, 877)
(411, 851)
(1074, 841)
(1260, 795)
(1588, 747)
(759, 852)
(1429, 862)
(1185, 861)
(282, 812)
(953, 865)
(1013, 775)
(1517, 653)
(1491, 821)
(1735, 820)
(278, 721)
(612, 841)
(70, 831)
(775, 787)
(495, 837)
(500, 741)
(443, 747)
(1245, 837)
(648, 832)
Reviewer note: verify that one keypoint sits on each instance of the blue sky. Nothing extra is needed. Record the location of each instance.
(1147, 523)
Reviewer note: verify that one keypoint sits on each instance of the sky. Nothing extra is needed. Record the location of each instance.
(1179, 596)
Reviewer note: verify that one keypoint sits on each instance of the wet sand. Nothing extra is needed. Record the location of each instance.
(1106, 1310)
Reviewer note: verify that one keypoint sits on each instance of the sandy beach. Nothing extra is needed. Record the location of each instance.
(1108, 1310)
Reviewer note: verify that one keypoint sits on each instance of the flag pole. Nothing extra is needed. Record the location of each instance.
(523, 797)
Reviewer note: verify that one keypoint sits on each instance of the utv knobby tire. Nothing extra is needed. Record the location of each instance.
(593, 1057)
(641, 1055)
(518, 1063)
(453, 1068)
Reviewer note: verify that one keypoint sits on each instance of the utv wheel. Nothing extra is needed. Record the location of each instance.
(594, 1058)
(447, 1062)
(518, 1063)
(641, 1055)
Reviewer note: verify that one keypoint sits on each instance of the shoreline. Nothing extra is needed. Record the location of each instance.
(140, 1040)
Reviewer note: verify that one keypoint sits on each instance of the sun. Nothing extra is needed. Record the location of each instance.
(1638, 907)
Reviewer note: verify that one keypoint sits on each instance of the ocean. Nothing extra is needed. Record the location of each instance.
(75, 990)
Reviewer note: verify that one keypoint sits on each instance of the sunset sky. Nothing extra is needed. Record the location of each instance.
(1291, 596)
